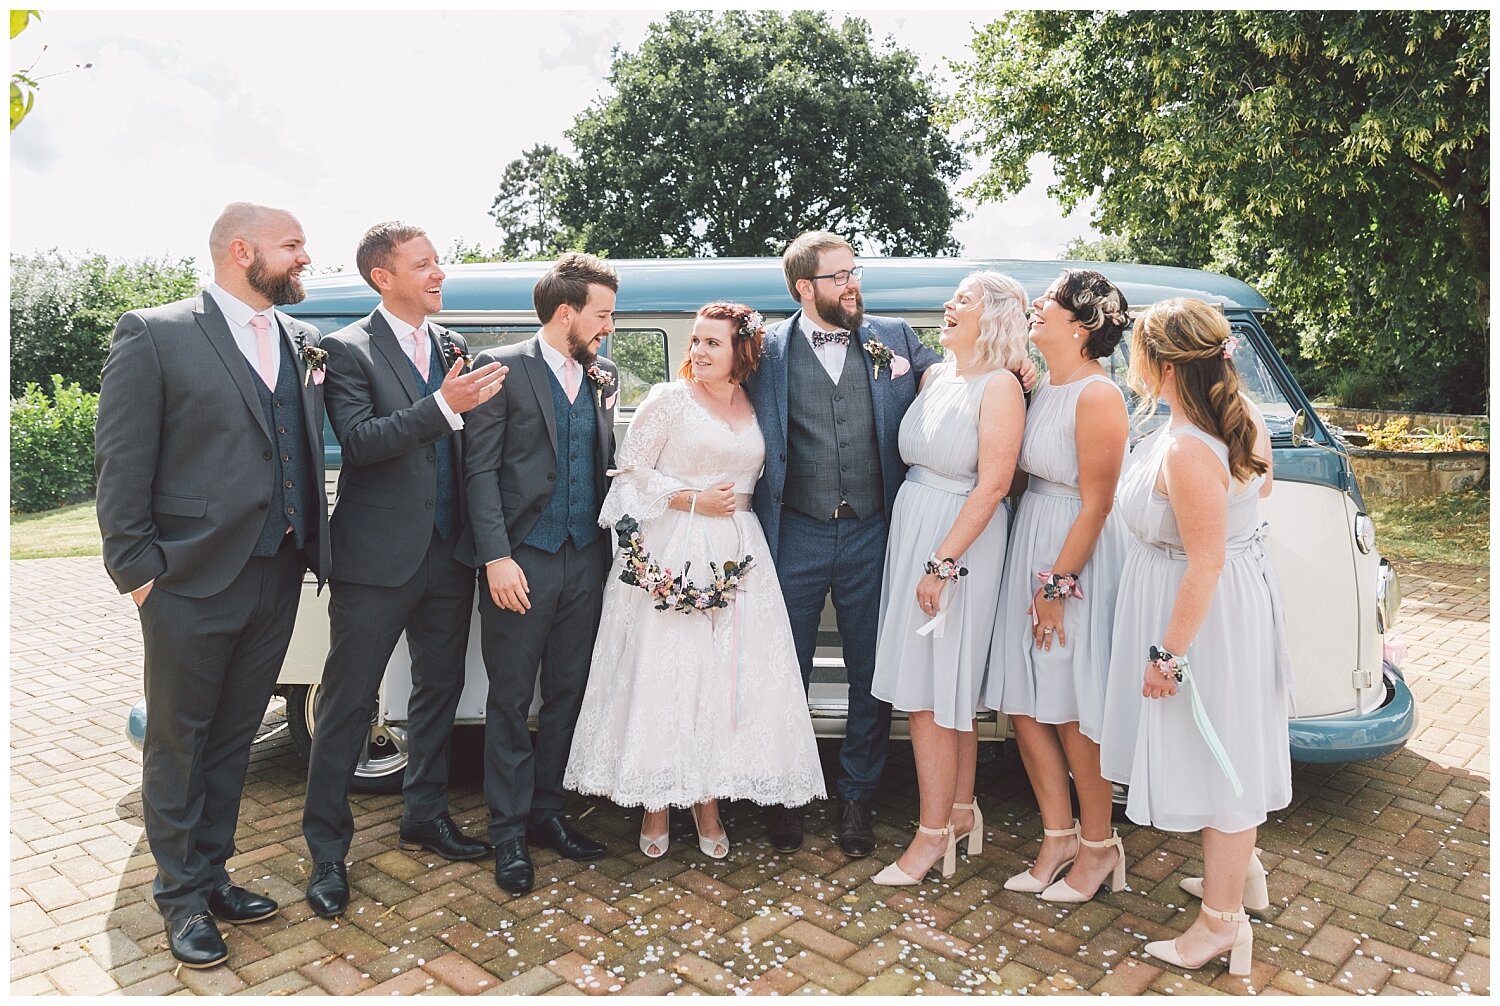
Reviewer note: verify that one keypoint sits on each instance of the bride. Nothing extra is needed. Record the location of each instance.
(694, 693)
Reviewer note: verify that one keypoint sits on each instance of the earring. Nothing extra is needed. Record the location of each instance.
(1077, 336)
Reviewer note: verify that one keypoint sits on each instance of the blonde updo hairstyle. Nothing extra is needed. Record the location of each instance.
(1002, 321)
(1193, 337)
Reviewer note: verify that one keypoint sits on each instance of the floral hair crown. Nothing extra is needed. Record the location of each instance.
(752, 326)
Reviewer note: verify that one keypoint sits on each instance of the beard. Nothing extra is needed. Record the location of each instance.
(832, 311)
(283, 289)
(579, 347)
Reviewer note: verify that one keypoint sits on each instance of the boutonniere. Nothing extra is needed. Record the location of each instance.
(314, 361)
(601, 380)
(882, 355)
(452, 351)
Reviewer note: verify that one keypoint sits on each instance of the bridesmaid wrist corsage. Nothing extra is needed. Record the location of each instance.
(945, 569)
(1170, 665)
(1056, 586)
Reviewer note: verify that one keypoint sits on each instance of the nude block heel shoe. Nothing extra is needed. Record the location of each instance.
(1257, 898)
(1061, 892)
(1239, 950)
(1026, 883)
(975, 834)
(894, 876)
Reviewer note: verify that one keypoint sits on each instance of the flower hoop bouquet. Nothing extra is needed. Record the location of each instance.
(675, 592)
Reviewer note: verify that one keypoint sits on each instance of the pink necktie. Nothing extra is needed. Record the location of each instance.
(262, 327)
(570, 379)
(420, 355)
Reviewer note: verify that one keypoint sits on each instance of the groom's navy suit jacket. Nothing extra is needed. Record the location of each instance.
(891, 396)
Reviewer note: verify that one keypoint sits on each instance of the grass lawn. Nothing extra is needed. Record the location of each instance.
(1451, 528)
(69, 530)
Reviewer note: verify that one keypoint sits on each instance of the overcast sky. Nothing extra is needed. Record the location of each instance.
(346, 119)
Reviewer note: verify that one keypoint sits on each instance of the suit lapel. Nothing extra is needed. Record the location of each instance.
(878, 390)
(779, 351)
(211, 320)
(383, 339)
(602, 427)
(306, 388)
(541, 386)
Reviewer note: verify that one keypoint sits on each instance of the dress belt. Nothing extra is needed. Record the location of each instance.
(1042, 487)
(933, 480)
(1254, 545)
(744, 501)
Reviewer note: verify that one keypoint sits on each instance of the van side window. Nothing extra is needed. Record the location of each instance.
(641, 355)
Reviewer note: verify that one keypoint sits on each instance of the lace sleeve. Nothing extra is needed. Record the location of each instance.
(639, 489)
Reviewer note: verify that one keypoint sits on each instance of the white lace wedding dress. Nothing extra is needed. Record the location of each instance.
(686, 707)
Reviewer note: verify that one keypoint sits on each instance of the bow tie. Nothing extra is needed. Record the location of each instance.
(820, 338)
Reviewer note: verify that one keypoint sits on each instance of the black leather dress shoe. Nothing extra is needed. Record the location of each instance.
(856, 837)
(196, 942)
(556, 833)
(513, 872)
(328, 891)
(441, 835)
(784, 828)
(237, 905)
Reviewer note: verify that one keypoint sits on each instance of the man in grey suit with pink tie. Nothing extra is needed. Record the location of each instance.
(209, 457)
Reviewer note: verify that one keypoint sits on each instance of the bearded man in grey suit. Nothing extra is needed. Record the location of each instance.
(831, 415)
(209, 457)
(535, 458)
(402, 552)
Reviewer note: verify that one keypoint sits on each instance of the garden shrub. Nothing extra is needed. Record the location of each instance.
(52, 446)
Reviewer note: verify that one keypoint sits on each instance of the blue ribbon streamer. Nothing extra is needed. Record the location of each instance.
(1210, 736)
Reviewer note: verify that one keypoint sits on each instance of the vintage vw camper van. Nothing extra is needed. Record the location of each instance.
(1341, 596)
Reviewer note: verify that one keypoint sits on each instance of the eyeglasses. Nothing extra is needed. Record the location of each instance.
(841, 278)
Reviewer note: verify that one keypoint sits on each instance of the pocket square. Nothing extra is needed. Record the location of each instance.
(609, 402)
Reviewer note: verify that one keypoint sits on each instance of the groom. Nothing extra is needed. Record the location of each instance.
(831, 422)
(535, 458)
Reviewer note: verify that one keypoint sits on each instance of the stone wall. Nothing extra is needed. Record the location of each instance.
(1405, 473)
(1437, 422)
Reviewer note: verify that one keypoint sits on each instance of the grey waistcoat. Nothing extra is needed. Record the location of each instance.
(832, 454)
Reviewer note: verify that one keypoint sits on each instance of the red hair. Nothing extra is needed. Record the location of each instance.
(747, 345)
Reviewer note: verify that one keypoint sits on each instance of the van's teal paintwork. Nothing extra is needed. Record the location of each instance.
(681, 286)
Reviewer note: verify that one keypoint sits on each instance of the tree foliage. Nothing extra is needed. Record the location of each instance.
(1338, 161)
(63, 311)
(52, 446)
(525, 208)
(730, 134)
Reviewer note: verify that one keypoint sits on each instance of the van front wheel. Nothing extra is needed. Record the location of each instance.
(382, 762)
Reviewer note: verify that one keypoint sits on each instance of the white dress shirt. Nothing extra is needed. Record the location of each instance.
(238, 314)
(830, 354)
(409, 347)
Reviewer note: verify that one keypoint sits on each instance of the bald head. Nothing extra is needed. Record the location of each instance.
(246, 221)
(258, 254)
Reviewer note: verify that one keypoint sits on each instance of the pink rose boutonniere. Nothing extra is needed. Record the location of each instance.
(882, 355)
(602, 380)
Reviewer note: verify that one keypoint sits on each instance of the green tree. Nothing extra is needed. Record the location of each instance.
(525, 208)
(730, 134)
(63, 311)
(1338, 161)
(22, 84)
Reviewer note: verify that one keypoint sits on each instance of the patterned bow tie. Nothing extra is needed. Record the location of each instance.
(820, 338)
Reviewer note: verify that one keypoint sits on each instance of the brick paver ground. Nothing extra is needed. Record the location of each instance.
(1378, 870)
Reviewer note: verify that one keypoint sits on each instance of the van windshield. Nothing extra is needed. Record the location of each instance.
(1257, 380)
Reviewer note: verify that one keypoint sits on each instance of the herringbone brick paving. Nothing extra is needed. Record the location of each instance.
(1379, 870)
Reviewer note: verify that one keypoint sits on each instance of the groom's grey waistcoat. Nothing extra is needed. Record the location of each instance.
(832, 453)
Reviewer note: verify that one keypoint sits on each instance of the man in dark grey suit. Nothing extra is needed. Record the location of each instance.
(402, 552)
(535, 458)
(209, 456)
(831, 420)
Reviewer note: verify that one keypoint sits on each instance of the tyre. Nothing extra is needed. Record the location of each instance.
(382, 763)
